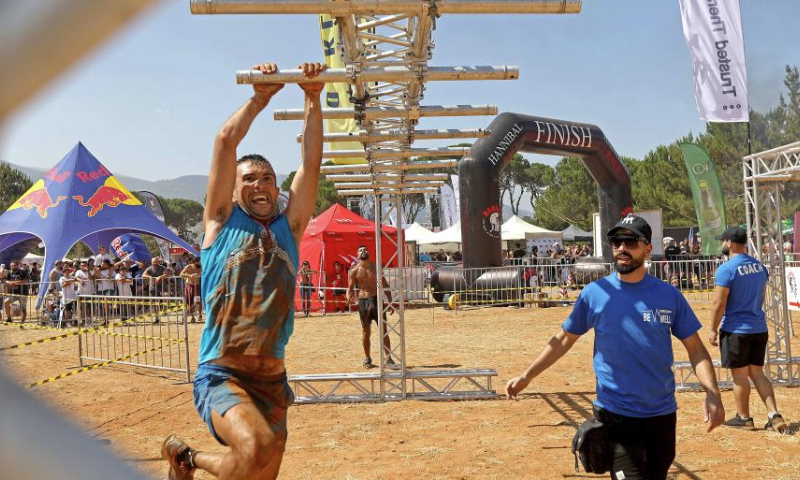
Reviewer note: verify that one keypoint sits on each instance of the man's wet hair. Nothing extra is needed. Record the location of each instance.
(362, 246)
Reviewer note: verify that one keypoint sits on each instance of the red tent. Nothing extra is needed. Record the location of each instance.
(335, 235)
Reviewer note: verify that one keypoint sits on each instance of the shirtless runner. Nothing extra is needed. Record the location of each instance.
(191, 290)
(364, 277)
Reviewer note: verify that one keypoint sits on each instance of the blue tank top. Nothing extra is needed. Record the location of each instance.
(248, 286)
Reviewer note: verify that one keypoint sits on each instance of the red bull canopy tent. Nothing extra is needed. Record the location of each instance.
(334, 236)
(77, 200)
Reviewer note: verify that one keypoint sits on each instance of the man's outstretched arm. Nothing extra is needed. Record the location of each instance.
(555, 349)
(303, 192)
(222, 177)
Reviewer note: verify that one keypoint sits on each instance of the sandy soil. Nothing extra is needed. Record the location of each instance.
(134, 409)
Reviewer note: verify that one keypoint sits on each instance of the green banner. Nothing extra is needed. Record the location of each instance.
(709, 202)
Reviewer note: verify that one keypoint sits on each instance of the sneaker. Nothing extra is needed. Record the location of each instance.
(367, 362)
(776, 423)
(156, 321)
(391, 365)
(738, 421)
(172, 450)
(193, 320)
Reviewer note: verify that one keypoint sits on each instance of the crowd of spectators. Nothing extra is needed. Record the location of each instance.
(441, 256)
(555, 254)
(100, 275)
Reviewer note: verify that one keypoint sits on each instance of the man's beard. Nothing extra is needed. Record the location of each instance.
(726, 251)
(364, 256)
(624, 269)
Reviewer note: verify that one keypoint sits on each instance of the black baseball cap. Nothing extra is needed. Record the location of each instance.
(636, 225)
(734, 234)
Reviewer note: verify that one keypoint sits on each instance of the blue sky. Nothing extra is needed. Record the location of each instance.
(149, 101)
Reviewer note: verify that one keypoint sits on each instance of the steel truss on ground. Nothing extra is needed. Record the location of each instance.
(386, 46)
(765, 176)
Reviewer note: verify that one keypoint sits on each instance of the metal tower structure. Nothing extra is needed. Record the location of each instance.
(385, 46)
(765, 175)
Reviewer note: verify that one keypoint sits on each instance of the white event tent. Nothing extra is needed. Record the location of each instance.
(516, 228)
(416, 233)
(573, 233)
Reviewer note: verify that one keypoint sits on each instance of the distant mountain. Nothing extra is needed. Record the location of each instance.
(192, 187)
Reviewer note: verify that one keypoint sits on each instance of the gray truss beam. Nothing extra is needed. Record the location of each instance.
(377, 113)
(381, 7)
(392, 74)
(396, 135)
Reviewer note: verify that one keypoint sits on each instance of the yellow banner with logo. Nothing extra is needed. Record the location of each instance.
(337, 94)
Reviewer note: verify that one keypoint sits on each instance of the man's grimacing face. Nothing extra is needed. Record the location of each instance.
(255, 190)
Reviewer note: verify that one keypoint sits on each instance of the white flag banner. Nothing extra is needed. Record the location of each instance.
(456, 194)
(793, 288)
(448, 206)
(713, 31)
(390, 211)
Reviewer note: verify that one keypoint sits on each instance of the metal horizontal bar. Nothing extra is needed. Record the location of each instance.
(380, 7)
(386, 153)
(389, 184)
(390, 167)
(774, 152)
(352, 193)
(386, 177)
(780, 177)
(390, 74)
(365, 137)
(371, 113)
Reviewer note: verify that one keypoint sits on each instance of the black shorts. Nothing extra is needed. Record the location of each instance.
(368, 310)
(641, 448)
(742, 349)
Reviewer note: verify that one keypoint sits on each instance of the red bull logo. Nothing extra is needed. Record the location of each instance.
(111, 194)
(37, 198)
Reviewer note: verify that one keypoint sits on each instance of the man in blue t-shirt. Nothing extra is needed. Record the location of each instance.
(634, 316)
(739, 289)
(250, 261)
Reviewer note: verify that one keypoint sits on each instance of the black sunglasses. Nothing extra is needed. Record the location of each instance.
(629, 241)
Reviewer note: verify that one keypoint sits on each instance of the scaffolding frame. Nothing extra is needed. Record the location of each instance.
(765, 175)
(385, 46)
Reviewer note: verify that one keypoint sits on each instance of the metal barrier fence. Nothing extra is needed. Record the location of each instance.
(553, 282)
(149, 332)
(323, 299)
(546, 282)
(21, 302)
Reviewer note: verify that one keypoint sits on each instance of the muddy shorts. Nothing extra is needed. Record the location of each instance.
(217, 388)
(368, 311)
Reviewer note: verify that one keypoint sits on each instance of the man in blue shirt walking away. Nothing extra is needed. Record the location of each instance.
(634, 316)
(250, 258)
(739, 289)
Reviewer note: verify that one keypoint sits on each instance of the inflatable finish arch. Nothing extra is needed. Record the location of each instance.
(479, 174)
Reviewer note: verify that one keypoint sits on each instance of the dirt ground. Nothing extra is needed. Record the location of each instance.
(133, 409)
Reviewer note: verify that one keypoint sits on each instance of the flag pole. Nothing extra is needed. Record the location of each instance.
(744, 49)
